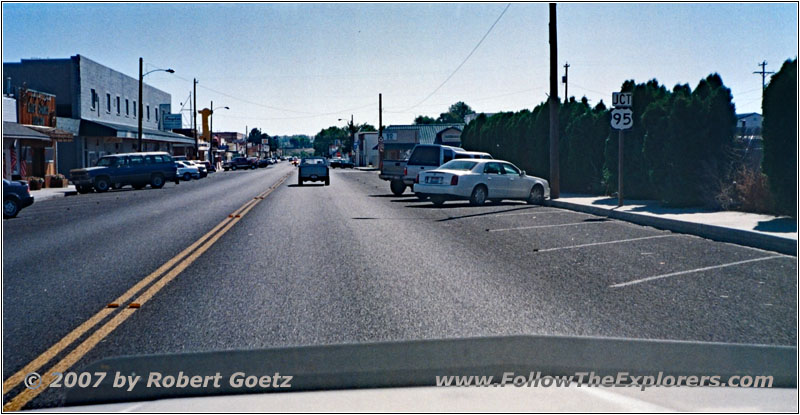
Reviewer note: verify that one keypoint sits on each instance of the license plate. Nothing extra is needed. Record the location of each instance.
(434, 180)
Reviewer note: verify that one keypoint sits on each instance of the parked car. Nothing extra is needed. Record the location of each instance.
(335, 162)
(479, 180)
(238, 163)
(187, 171)
(16, 196)
(135, 169)
(201, 168)
(210, 167)
(313, 169)
(346, 164)
(264, 162)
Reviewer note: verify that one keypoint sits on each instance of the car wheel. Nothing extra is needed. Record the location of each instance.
(10, 208)
(536, 197)
(101, 185)
(83, 189)
(233, 167)
(157, 181)
(437, 200)
(187, 176)
(398, 187)
(327, 181)
(478, 197)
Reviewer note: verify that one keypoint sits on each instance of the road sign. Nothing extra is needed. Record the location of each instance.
(622, 99)
(621, 118)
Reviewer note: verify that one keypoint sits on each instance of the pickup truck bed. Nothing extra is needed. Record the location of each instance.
(393, 171)
(313, 170)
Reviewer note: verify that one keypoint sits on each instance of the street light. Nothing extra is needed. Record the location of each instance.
(350, 128)
(141, 105)
(211, 127)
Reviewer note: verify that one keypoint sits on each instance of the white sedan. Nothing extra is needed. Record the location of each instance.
(478, 181)
(187, 171)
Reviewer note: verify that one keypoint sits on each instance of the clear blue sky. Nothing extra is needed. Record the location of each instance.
(297, 68)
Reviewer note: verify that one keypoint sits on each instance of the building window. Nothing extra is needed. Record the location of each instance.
(94, 99)
(156, 114)
(108, 103)
(148, 112)
(119, 107)
(127, 107)
(134, 108)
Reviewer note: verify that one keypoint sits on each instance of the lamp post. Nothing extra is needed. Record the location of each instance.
(350, 128)
(141, 105)
(211, 127)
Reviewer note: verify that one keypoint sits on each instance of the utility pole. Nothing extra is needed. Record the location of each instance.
(554, 102)
(211, 135)
(763, 72)
(139, 116)
(380, 131)
(564, 80)
(194, 114)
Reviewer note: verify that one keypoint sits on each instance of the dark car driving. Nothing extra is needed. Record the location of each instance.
(238, 163)
(16, 196)
(135, 169)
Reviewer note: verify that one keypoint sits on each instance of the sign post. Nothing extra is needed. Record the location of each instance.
(621, 119)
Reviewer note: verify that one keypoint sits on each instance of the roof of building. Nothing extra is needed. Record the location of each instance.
(427, 132)
(147, 134)
(739, 116)
(16, 131)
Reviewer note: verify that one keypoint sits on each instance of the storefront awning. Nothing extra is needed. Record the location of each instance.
(98, 128)
(14, 131)
(52, 132)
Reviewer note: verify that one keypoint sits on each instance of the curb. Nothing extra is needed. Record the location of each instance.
(717, 233)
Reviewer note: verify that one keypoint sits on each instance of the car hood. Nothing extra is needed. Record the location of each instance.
(88, 169)
(419, 362)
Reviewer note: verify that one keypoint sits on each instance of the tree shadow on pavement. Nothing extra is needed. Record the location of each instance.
(779, 225)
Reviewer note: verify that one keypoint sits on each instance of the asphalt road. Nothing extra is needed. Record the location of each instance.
(351, 262)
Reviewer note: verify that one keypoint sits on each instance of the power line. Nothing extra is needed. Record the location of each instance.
(245, 100)
(465, 59)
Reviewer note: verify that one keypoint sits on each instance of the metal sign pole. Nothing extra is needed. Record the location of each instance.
(621, 143)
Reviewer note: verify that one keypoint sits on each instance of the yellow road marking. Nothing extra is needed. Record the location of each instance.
(20, 400)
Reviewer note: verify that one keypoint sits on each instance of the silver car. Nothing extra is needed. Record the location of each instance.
(479, 180)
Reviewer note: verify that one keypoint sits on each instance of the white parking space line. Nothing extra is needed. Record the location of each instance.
(606, 243)
(550, 226)
(537, 211)
(673, 274)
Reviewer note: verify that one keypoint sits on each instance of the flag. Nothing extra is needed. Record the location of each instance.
(23, 165)
(13, 158)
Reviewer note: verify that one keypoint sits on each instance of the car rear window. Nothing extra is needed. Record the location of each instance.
(424, 156)
(458, 165)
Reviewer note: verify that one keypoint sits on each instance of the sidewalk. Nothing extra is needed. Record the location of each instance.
(52, 193)
(775, 233)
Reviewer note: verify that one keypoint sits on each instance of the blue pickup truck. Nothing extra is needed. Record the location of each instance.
(134, 169)
(313, 169)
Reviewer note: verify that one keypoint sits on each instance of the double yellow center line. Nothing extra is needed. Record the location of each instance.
(162, 276)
